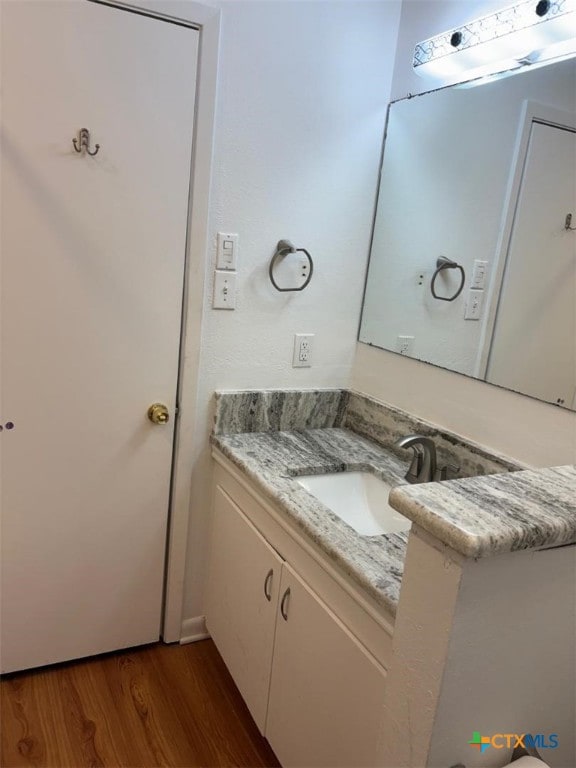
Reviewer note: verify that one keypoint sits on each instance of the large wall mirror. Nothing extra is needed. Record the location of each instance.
(477, 204)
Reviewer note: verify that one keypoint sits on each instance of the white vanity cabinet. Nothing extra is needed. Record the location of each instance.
(326, 691)
(308, 658)
(242, 597)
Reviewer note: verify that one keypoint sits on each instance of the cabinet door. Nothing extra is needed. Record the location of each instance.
(327, 692)
(242, 595)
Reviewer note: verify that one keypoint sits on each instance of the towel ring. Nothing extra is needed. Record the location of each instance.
(283, 248)
(441, 264)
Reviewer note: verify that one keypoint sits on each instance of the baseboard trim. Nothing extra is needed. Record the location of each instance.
(193, 630)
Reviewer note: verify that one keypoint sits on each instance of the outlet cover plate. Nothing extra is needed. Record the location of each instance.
(302, 356)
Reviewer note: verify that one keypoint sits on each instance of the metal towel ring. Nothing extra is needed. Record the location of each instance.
(283, 248)
(441, 264)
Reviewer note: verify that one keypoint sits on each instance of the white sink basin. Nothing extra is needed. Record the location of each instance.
(358, 498)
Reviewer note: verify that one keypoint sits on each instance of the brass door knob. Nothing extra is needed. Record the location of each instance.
(158, 413)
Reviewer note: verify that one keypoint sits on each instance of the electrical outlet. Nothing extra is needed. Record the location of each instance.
(405, 345)
(302, 357)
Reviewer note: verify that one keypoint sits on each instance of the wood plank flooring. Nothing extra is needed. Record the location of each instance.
(160, 705)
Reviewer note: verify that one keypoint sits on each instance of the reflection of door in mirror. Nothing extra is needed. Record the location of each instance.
(533, 348)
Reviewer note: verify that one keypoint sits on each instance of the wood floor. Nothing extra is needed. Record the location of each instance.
(154, 706)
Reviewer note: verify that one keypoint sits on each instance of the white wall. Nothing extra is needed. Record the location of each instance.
(302, 96)
(510, 610)
(519, 426)
(528, 430)
(476, 661)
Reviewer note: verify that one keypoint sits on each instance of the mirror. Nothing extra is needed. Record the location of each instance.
(478, 192)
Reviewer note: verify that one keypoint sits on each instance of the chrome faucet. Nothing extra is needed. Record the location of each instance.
(423, 465)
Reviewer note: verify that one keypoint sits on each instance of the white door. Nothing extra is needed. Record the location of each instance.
(92, 259)
(533, 345)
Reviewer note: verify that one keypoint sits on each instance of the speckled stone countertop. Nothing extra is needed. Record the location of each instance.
(272, 460)
(489, 515)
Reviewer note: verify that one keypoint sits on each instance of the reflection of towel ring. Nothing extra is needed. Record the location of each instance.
(283, 248)
(441, 264)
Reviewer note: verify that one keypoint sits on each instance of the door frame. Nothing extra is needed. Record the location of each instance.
(532, 112)
(205, 19)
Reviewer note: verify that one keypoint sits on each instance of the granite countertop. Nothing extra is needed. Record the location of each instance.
(493, 514)
(274, 436)
(272, 460)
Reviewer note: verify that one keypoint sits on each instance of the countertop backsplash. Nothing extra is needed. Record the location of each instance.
(275, 410)
(281, 410)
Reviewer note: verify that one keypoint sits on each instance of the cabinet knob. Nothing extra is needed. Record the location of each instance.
(284, 604)
(268, 585)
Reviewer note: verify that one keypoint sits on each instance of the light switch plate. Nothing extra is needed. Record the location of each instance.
(479, 274)
(227, 251)
(224, 290)
(474, 305)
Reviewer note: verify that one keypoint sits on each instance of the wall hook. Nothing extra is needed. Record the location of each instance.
(568, 223)
(284, 248)
(83, 142)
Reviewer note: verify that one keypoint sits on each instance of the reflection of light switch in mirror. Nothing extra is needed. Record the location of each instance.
(479, 274)
(227, 251)
(405, 345)
(474, 305)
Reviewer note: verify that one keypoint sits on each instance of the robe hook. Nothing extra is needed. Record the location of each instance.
(83, 142)
(568, 223)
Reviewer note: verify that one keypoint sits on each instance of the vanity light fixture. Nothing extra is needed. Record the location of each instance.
(530, 33)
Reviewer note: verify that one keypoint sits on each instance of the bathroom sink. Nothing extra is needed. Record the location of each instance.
(359, 499)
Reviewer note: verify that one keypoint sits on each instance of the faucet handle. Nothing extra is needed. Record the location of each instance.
(442, 472)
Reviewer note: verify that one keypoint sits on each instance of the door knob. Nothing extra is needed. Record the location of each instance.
(158, 413)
